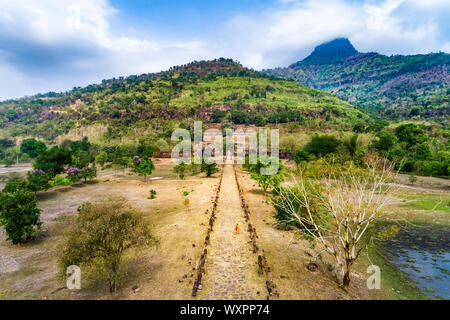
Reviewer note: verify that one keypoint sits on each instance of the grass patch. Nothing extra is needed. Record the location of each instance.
(428, 201)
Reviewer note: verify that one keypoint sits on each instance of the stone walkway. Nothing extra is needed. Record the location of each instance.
(231, 268)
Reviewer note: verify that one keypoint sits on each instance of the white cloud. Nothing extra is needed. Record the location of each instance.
(75, 35)
(282, 36)
(55, 45)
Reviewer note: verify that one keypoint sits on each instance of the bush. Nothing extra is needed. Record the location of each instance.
(38, 180)
(113, 219)
(32, 147)
(322, 145)
(145, 168)
(291, 197)
(209, 169)
(59, 180)
(301, 155)
(181, 169)
(19, 213)
(152, 194)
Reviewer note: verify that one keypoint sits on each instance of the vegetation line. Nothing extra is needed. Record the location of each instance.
(262, 261)
(201, 264)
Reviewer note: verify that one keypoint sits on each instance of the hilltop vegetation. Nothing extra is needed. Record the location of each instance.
(394, 87)
(194, 91)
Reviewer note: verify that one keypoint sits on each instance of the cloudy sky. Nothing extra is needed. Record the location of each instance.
(54, 45)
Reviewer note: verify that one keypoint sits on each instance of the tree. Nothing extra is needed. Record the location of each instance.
(322, 145)
(385, 141)
(411, 134)
(88, 172)
(38, 180)
(52, 161)
(181, 169)
(353, 200)
(19, 214)
(266, 181)
(209, 169)
(412, 179)
(74, 174)
(352, 145)
(300, 155)
(145, 168)
(32, 147)
(101, 158)
(102, 233)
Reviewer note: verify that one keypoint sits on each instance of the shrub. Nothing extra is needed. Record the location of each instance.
(209, 169)
(322, 145)
(38, 180)
(101, 158)
(152, 194)
(385, 141)
(32, 147)
(74, 174)
(181, 169)
(300, 155)
(145, 168)
(113, 220)
(294, 198)
(19, 213)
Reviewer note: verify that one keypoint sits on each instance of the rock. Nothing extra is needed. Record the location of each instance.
(135, 288)
(184, 276)
(312, 266)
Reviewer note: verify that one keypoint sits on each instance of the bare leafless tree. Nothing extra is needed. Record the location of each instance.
(352, 198)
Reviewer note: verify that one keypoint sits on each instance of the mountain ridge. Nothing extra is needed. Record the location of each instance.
(207, 90)
(397, 86)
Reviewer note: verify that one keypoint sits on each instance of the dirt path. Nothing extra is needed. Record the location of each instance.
(231, 268)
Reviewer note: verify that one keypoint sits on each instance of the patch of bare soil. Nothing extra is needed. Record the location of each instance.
(30, 270)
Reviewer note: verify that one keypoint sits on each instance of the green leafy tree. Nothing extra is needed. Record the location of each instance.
(32, 147)
(300, 155)
(181, 169)
(422, 152)
(88, 172)
(102, 233)
(209, 169)
(322, 145)
(385, 141)
(145, 168)
(101, 158)
(19, 214)
(38, 180)
(266, 181)
(53, 161)
(411, 134)
(352, 145)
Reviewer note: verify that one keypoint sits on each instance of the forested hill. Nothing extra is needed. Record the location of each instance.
(214, 91)
(399, 86)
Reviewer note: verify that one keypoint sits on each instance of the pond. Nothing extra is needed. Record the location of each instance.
(423, 253)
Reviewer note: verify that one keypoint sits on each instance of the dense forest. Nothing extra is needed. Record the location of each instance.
(206, 90)
(399, 86)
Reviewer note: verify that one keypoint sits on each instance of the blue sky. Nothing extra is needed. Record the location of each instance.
(54, 45)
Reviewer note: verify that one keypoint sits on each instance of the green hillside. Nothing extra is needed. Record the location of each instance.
(394, 87)
(212, 91)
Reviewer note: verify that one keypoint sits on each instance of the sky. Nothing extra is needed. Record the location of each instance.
(55, 45)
